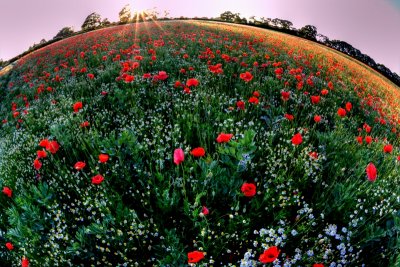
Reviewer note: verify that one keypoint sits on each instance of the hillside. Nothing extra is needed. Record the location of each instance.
(187, 142)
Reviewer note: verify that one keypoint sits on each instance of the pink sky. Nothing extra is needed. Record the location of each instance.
(371, 26)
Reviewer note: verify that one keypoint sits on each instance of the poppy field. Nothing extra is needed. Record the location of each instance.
(197, 143)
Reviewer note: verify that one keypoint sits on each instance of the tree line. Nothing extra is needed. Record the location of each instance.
(94, 21)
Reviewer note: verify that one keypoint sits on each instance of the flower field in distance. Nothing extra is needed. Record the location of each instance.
(197, 143)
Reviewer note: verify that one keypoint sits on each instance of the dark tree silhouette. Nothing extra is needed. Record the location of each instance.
(64, 32)
(91, 22)
(322, 38)
(229, 16)
(105, 22)
(281, 23)
(309, 32)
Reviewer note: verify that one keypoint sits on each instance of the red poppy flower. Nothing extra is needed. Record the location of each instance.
(90, 76)
(195, 256)
(79, 165)
(289, 117)
(341, 112)
(77, 106)
(192, 82)
(178, 84)
(44, 143)
(297, 139)
(98, 179)
(52, 147)
(9, 246)
(24, 262)
(224, 138)
(205, 210)
(129, 78)
(371, 172)
(317, 118)
(368, 139)
(248, 189)
(198, 152)
(269, 255)
(41, 154)
(246, 76)
(285, 96)
(85, 124)
(240, 105)
(313, 154)
(349, 106)
(318, 265)
(253, 100)
(7, 191)
(179, 156)
(103, 158)
(256, 93)
(278, 71)
(37, 164)
(315, 99)
(162, 75)
(217, 69)
(359, 139)
(388, 148)
(367, 128)
(186, 90)
(330, 85)
(324, 92)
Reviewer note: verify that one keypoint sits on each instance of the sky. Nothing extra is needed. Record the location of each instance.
(372, 26)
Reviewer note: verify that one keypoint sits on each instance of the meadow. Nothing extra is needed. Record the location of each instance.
(197, 143)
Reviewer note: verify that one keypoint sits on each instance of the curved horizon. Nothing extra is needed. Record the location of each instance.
(369, 26)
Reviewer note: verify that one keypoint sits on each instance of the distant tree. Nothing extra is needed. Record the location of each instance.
(91, 22)
(282, 24)
(64, 32)
(309, 32)
(229, 16)
(43, 41)
(237, 19)
(152, 14)
(105, 22)
(344, 47)
(255, 21)
(125, 14)
(140, 16)
(322, 38)
(252, 20)
(368, 60)
(2, 63)
(243, 20)
(166, 14)
(267, 21)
